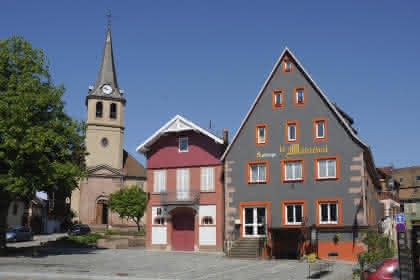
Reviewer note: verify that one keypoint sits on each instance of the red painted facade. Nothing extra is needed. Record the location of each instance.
(202, 151)
(183, 223)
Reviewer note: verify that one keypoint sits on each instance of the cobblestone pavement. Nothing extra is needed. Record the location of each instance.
(142, 264)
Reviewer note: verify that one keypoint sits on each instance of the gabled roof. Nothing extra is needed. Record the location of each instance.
(176, 124)
(131, 167)
(114, 171)
(333, 108)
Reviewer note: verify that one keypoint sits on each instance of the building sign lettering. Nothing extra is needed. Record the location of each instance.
(296, 149)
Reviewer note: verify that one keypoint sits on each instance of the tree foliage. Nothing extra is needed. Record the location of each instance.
(129, 203)
(41, 147)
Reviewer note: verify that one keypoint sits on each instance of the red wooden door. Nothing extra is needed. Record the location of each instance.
(183, 232)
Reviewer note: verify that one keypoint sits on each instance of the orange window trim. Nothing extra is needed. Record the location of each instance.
(264, 125)
(329, 200)
(267, 171)
(283, 66)
(283, 169)
(284, 203)
(304, 96)
(273, 100)
(337, 167)
(286, 132)
(314, 121)
(244, 204)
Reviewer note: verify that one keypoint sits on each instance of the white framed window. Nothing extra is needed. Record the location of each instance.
(159, 180)
(158, 216)
(257, 173)
(327, 168)
(291, 132)
(320, 129)
(294, 214)
(207, 220)
(261, 134)
(183, 144)
(300, 96)
(182, 184)
(293, 170)
(207, 179)
(328, 213)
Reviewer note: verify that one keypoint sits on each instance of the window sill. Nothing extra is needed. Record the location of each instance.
(257, 183)
(203, 225)
(293, 225)
(293, 181)
(155, 225)
(329, 225)
(157, 193)
(207, 191)
(326, 179)
(323, 139)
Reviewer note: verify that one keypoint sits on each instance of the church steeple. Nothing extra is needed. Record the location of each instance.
(106, 82)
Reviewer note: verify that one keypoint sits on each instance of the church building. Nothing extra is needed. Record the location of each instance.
(109, 166)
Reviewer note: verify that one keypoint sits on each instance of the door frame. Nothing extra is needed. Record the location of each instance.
(255, 223)
(247, 204)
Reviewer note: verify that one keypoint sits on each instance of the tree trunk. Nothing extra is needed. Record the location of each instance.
(138, 224)
(4, 209)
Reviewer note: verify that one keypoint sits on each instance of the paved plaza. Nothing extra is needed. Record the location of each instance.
(143, 264)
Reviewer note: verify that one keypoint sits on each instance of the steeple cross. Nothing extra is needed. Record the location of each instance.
(109, 17)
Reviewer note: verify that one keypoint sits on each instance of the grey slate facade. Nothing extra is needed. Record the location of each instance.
(356, 175)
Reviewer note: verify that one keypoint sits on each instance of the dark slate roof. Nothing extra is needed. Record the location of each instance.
(131, 167)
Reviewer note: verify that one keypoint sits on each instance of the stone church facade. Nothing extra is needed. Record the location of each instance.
(109, 166)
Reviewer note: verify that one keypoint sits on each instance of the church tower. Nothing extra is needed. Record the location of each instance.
(105, 114)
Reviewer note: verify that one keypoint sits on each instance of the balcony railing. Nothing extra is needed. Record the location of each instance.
(180, 197)
(389, 195)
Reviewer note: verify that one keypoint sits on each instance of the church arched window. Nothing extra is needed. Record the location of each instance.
(113, 111)
(99, 109)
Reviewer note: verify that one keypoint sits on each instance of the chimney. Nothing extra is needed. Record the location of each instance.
(225, 136)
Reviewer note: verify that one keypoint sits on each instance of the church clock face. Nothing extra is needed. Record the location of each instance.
(107, 89)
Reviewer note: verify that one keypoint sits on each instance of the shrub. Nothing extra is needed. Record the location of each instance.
(87, 239)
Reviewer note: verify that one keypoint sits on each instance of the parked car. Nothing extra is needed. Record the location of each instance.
(79, 229)
(19, 234)
(387, 269)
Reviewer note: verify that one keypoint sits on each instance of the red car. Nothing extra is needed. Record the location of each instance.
(387, 269)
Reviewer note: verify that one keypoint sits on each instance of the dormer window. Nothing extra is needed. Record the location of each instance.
(113, 111)
(183, 144)
(99, 109)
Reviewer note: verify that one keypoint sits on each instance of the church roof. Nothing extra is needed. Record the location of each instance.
(131, 167)
(107, 74)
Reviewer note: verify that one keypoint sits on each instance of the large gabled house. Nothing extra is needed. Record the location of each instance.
(297, 175)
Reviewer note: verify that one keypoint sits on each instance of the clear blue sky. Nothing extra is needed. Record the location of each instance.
(207, 60)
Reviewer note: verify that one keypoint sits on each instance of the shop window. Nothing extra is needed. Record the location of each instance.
(277, 98)
(320, 129)
(261, 134)
(292, 132)
(258, 172)
(326, 168)
(99, 109)
(300, 97)
(207, 220)
(183, 144)
(293, 170)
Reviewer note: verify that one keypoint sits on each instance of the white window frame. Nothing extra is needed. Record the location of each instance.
(295, 178)
(258, 170)
(180, 139)
(317, 130)
(207, 179)
(255, 224)
(259, 139)
(294, 213)
(159, 184)
(288, 131)
(279, 94)
(326, 166)
(297, 96)
(329, 222)
(158, 216)
(183, 184)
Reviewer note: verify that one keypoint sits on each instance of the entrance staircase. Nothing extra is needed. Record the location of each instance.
(246, 248)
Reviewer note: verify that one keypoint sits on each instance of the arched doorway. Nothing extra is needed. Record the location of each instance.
(102, 212)
(183, 236)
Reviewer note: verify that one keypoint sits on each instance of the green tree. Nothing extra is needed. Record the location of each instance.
(129, 203)
(41, 147)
